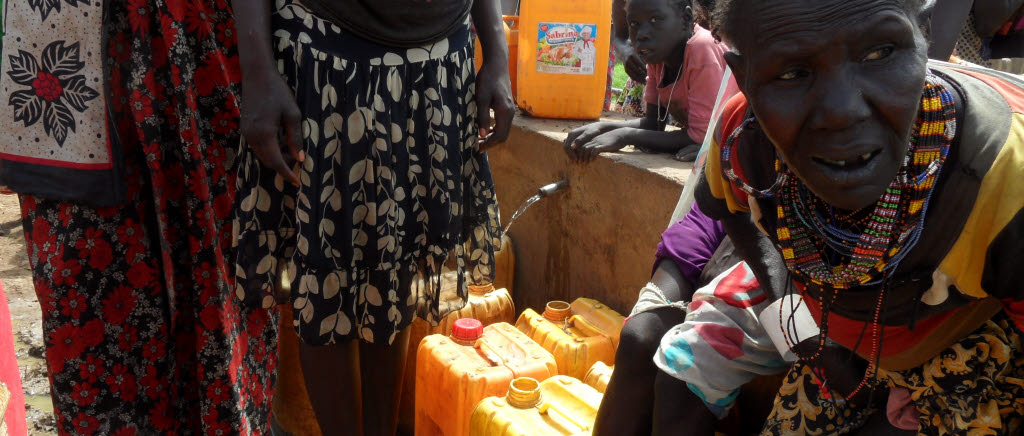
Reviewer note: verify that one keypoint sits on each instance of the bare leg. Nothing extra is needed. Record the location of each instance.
(332, 380)
(678, 411)
(382, 368)
(628, 405)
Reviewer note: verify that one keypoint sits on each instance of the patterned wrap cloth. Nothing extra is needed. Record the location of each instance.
(392, 184)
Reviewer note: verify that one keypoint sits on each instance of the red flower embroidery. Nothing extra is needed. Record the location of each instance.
(129, 338)
(47, 86)
(224, 123)
(83, 393)
(91, 369)
(86, 424)
(65, 272)
(73, 304)
(118, 306)
(92, 333)
(140, 275)
(198, 22)
(154, 350)
(122, 383)
(142, 106)
(161, 419)
(218, 392)
(138, 16)
(63, 347)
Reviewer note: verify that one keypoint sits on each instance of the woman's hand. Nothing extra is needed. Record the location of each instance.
(270, 114)
(494, 91)
(493, 86)
(843, 369)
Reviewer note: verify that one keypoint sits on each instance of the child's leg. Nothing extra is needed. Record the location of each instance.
(381, 367)
(332, 380)
(677, 410)
(628, 404)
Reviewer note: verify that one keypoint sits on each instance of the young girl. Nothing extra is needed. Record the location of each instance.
(684, 70)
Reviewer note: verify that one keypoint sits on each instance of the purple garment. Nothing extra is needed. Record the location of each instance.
(690, 243)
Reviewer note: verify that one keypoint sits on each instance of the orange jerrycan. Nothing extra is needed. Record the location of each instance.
(598, 376)
(512, 39)
(578, 335)
(454, 373)
(555, 407)
(563, 57)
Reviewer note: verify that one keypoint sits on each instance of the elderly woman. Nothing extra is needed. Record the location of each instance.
(891, 187)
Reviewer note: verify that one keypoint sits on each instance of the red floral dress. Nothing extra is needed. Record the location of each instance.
(143, 335)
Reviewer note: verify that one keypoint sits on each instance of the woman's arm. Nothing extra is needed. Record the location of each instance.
(493, 85)
(948, 18)
(990, 15)
(268, 106)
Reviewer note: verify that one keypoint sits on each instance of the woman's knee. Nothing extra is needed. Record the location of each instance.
(639, 338)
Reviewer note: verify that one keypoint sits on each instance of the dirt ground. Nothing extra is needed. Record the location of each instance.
(28, 331)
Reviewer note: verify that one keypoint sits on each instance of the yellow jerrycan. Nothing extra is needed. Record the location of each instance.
(563, 57)
(485, 304)
(454, 373)
(558, 406)
(599, 376)
(578, 335)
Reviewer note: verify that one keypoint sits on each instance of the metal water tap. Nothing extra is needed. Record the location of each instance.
(548, 190)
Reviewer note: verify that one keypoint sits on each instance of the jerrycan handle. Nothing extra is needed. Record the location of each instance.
(546, 408)
(514, 19)
(585, 326)
(484, 350)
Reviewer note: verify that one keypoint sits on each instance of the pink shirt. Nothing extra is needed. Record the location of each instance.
(693, 97)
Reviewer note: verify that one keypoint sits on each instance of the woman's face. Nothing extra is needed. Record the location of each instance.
(836, 85)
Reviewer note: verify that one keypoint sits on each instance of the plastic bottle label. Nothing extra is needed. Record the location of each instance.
(566, 48)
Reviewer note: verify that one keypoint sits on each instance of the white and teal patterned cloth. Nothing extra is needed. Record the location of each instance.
(722, 345)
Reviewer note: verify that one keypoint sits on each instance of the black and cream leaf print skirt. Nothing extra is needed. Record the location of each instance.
(393, 185)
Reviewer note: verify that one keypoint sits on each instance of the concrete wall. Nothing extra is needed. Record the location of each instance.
(598, 238)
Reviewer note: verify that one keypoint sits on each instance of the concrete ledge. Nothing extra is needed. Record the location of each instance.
(595, 240)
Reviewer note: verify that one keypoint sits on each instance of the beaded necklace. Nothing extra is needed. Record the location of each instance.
(895, 224)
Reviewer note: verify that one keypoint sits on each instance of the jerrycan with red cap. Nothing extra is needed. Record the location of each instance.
(455, 372)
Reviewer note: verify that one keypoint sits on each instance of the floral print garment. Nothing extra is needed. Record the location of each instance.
(392, 184)
(974, 387)
(142, 333)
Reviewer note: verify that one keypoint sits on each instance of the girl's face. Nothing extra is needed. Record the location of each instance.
(658, 30)
(836, 86)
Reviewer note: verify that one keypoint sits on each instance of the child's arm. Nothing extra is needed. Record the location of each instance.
(584, 134)
(647, 132)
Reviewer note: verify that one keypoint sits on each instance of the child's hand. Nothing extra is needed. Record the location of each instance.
(605, 142)
(582, 135)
